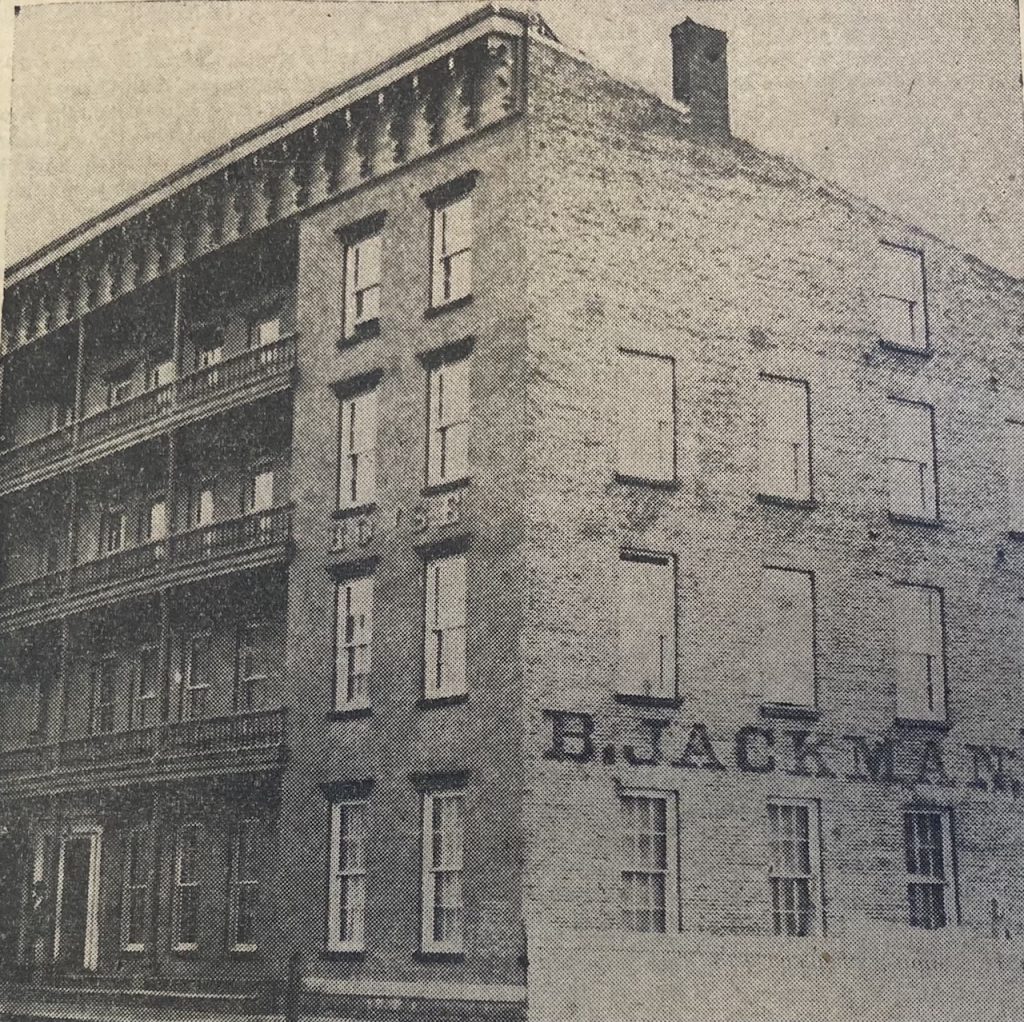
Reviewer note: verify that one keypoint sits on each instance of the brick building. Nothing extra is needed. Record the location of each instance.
(490, 544)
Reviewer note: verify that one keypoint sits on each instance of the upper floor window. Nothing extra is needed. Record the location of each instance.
(448, 422)
(112, 535)
(452, 265)
(794, 867)
(154, 522)
(186, 888)
(104, 694)
(60, 412)
(787, 644)
(135, 901)
(265, 330)
(146, 677)
(646, 419)
(258, 493)
(784, 444)
(353, 643)
(445, 652)
(256, 642)
(920, 652)
(362, 283)
(119, 386)
(647, 625)
(346, 905)
(931, 882)
(443, 837)
(201, 505)
(913, 487)
(209, 342)
(244, 885)
(159, 372)
(198, 676)
(648, 843)
(902, 312)
(357, 450)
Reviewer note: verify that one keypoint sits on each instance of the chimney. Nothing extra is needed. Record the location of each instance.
(700, 75)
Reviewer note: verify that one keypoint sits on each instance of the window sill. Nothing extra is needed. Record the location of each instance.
(342, 954)
(654, 484)
(795, 503)
(898, 349)
(424, 955)
(429, 702)
(434, 489)
(185, 950)
(788, 711)
(350, 712)
(341, 513)
(364, 331)
(928, 523)
(455, 303)
(635, 699)
(924, 723)
(134, 950)
(245, 951)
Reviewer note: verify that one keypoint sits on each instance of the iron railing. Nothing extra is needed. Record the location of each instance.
(234, 535)
(240, 371)
(135, 562)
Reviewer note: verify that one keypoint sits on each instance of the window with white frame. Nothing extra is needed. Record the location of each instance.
(445, 621)
(448, 422)
(357, 450)
(931, 882)
(135, 903)
(787, 641)
(104, 689)
(160, 372)
(648, 849)
(353, 642)
(198, 676)
(146, 671)
(346, 908)
(902, 313)
(258, 494)
(911, 461)
(265, 330)
(187, 887)
(784, 443)
(244, 885)
(1015, 474)
(794, 875)
(154, 523)
(645, 416)
(452, 264)
(201, 505)
(443, 839)
(362, 282)
(112, 531)
(256, 640)
(647, 658)
(919, 634)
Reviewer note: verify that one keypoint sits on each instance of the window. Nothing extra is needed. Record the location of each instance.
(119, 386)
(255, 644)
(452, 268)
(912, 484)
(931, 888)
(346, 911)
(186, 888)
(446, 627)
(442, 870)
(354, 630)
(1015, 474)
(920, 653)
(201, 505)
(136, 890)
(112, 531)
(902, 313)
(787, 640)
(265, 331)
(160, 372)
(794, 868)
(645, 412)
(448, 423)
(648, 861)
(357, 450)
(146, 674)
(647, 625)
(198, 675)
(104, 694)
(154, 525)
(362, 283)
(244, 885)
(258, 492)
(59, 414)
(785, 438)
(209, 355)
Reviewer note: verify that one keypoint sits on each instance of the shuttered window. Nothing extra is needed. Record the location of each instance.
(448, 423)
(645, 413)
(920, 656)
(357, 450)
(901, 301)
(911, 460)
(784, 442)
(445, 653)
(787, 649)
(354, 637)
(646, 586)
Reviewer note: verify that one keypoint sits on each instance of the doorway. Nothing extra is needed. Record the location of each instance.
(76, 936)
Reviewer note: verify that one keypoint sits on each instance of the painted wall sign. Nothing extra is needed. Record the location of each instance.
(358, 531)
(766, 749)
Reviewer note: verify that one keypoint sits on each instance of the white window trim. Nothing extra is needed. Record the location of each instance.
(817, 886)
(439, 434)
(27, 942)
(128, 887)
(188, 688)
(949, 882)
(341, 702)
(335, 880)
(430, 649)
(178, 886)
(254, 628)
(672, 887)
(440, 259)
(365, 402)
(429, 873)
(251, 824)
(920, 267)
(92, 898)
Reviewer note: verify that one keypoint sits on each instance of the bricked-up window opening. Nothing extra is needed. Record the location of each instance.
(920, 652)
(255, 645)
(446, 627)
(1015, 474)
(362, 282)
(154, 524)
(928, 844)
(104, 689)
(357, 450)
(785, 438)
(647, 893)
(912, 483)
(448, 423)
(354, 643)
(902, 314)
(146, 674)
(346, 909)
(787, 641)
(135, 903)
(112, 531)
(794, 869)
(244, 885)
(452, 267)
(443, 837)
(646, 419)
(198, 676)
(186, 888)
(647, 625)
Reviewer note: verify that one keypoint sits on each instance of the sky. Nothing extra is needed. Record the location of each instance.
(915, 104)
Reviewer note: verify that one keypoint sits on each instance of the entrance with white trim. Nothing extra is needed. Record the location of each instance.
(76, 929)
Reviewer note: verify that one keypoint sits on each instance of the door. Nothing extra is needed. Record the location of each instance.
(75, 940)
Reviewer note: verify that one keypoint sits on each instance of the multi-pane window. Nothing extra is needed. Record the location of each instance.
(448, 422)
(146, 674)
(902, 313)
(198, 675)
(244, 885)
(647, 660)
(912, 483)
(255, 645)
(1015, 474)
(648, 861)
(354, 635)
(784, 443)
(452, 267)
(794, 867)
(357, 450)
(920, 652)
(443, 839)
(186, 887)
(931, 888)
(112, 531)
(104, 688)
(645, 416)
(445, 621)
(346, 909)
(362, 282)
(787, 641)
(136, 887)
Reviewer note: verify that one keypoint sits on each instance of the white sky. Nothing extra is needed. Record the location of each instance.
(913, 103)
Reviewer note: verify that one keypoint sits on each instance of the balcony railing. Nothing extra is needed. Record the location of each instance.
(235, 535)
(135, 562)
(235, 374)
(43, 589)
